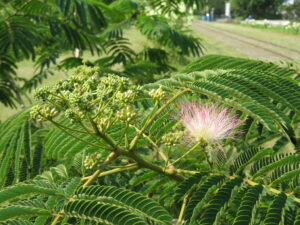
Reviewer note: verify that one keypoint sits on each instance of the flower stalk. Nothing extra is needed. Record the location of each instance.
(195, 146)
(183, 208)
(129, 167)
(109, 158)
(158, 112)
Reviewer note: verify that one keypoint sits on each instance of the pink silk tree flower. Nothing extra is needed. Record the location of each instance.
(208, 122)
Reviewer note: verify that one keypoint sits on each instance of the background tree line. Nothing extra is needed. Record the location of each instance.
(44, 30)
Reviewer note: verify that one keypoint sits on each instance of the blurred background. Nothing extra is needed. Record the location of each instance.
(42, 40)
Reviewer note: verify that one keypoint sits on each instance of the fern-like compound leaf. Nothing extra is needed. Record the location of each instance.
(274, 214)
(133, 202)
(214, 206)
(25, 189)
(13, 212)
(102, 212)
(245, 211)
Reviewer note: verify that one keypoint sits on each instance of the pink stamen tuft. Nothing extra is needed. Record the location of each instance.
(208, 122)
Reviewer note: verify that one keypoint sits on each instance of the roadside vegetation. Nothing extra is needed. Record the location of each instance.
(291, 27)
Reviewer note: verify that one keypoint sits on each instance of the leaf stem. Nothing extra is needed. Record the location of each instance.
(72, 135)
(69, 128)
(171, 172)
(273, 190)
(162, 155)
(109, 158)
(126, 136)
(207, 159)
(133, 166)
(159, 111)
(183, 207)
(188, 152)
(56, 219)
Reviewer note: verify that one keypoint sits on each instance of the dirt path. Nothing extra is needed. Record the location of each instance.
(244, 45)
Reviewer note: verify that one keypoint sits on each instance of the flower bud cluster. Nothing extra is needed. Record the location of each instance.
(74, 115)
(157, 94)
(110, 83)
(42, 93)
(82, 102)
(125, 97)
(102, 122)
(89, 94)
(92, 160)
(126, 114)
(43, 113)
(172, 139)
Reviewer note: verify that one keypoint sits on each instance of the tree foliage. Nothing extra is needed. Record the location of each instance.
(112, 152)
(258, 9)
(43, 31)
(292, 11)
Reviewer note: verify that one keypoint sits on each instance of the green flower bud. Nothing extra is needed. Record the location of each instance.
(42, 93)
(157, 94)
(92, 160)
(102, 123)
(126, 114)
(74, 115)
(125, 97)
(172, 139)
(43, 113)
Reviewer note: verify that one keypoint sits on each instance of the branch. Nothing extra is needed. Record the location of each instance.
(133, 166)
(163, 156)
(109, 158)
(183, 207)
(74, 136)
(170, 172)
(188, 152)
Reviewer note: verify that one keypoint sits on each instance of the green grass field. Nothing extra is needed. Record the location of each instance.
(286, 39)
(234, 43)
(276, 29)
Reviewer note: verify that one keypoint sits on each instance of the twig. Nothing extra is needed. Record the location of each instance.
(162, 155)
(133, 166)
(74, 136)
(109, 158)
(159, 111)
(183, 207)
(188, 152)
